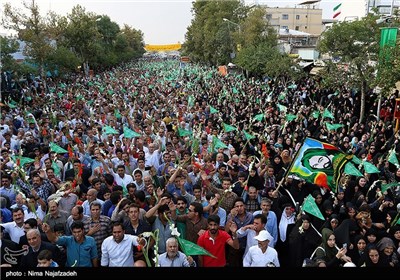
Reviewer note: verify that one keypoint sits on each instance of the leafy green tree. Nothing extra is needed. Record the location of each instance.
(354, 47)
(259, 53)
(8, 47)
(32, 29)
(131, 41)
(207, 39)
(83, 36)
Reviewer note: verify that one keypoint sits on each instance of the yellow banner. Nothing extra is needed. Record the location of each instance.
(160, 48)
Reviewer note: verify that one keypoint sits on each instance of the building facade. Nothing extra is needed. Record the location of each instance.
(307, 20)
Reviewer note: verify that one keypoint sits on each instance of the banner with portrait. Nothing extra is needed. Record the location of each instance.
(319, 163)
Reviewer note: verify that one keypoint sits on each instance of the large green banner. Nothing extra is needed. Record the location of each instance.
(388, 39)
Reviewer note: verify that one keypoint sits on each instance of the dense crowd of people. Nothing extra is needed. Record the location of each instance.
(117, 168)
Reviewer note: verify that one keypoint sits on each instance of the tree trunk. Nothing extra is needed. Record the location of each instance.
(43, 75)
(362, 111)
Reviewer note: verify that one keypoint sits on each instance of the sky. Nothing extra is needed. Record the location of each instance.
(161, 21)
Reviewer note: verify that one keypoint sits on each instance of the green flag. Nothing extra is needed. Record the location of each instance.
(337, 7)
(229, 128)
(350, 169)
(217, 143)
(109, 130)
(213, 110)
(56, 168)
(248, 136)
(191, 100)
(333, 126)
(55, 148)
(129, 133)
(191, 249)
(356, 160)
(282, 108)
(183, 132)
(370, 168)
(385, 187)
(315, 114)
(311, 207)
(23, 160)
(11, 105)
(388, 39)
(392, 158)
(290, 117)
(327, 114)
(259, 117)
(117, 114)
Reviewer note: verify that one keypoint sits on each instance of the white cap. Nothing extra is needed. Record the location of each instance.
(349, 264)
(264, 235)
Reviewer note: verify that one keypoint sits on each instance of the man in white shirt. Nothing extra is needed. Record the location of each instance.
(261, 254)
(117, 250)
(16, 228)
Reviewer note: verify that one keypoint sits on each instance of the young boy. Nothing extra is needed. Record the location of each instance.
(45, 259)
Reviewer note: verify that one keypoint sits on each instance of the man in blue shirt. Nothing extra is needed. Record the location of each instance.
(81, 249)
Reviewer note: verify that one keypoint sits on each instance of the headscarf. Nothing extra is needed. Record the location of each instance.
(330, 252)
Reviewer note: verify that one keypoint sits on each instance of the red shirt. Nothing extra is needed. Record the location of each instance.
(215, 247)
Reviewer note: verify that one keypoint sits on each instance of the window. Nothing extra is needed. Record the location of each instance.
(297, 28)
(297, 16)
(305, 27)
(285, 16)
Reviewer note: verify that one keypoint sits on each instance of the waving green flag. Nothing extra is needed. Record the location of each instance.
(23, 160)
(311, 207)
(333, 126)
(217, 143)
(315, 114)
(229, 128)
(55, 148)
(388, 186)
(392, 158)
(259, 117)
(290, 117)
(213, 110)
(56, 168)
(191, 249)
(183, 132)
(109, 130)
(350, 169)
(129, 133)
(248, 136)
(370, 168)
(282, 108)
(356, 160)
(328, 114)
(117, 114)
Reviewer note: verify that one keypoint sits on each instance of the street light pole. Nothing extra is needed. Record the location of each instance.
(238, 25)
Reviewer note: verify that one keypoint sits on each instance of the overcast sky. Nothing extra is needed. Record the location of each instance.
(161, 21)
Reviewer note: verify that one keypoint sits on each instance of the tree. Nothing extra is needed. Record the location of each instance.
(32, 29)
(82, 35)
(354, 47)
(207, 39)
(259, 54)
(8, 46)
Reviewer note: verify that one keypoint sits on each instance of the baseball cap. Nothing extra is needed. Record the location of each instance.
(264, 235)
